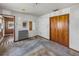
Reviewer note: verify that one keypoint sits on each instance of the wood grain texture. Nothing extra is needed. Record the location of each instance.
(59, 29)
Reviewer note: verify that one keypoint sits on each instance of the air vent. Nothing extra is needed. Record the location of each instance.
(55, 10)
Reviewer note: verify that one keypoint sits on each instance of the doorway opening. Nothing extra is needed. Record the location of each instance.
(8, 28)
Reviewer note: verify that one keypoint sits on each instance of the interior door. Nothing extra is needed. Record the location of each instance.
(53, 31)
(9, 25)
(59, 29)
(64, 29)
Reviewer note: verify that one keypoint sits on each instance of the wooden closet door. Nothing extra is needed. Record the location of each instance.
(53, 31)
(64, 33)
(59, 29)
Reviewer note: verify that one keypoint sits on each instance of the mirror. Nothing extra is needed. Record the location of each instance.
(30, 25)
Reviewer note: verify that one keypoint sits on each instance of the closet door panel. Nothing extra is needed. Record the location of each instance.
(59, 30)
(64, 29)
(53, 28)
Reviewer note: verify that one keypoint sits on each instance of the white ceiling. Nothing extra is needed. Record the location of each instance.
(35, 8)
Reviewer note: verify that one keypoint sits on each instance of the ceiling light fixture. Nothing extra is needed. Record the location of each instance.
(56, 10)
(23, 10)
(36, 4)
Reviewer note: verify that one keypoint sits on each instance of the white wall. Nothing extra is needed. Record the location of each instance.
(19, 19)
(74, 28)
(43, 26)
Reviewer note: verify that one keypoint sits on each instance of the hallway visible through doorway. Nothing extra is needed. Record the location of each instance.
(8, 27)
